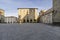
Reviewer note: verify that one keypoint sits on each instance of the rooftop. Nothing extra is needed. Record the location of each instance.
(1, 9)
(10, 16)
(27, 8)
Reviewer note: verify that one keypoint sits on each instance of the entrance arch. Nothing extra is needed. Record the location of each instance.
(24, 20)
(30, 20)
(0, 21)
(27, 21)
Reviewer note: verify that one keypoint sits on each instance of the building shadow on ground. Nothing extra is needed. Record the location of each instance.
(54, 25)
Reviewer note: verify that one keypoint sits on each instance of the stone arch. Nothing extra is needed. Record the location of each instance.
(27, 20)
(24, 20)
(30, 20)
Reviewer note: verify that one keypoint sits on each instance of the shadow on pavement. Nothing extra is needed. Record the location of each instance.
(54, 25)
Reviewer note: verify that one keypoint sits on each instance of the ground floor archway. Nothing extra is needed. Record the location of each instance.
(0, 21)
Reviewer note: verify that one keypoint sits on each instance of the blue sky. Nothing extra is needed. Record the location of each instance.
(10, 6)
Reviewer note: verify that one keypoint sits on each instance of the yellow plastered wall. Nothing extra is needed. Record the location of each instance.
(2, 12)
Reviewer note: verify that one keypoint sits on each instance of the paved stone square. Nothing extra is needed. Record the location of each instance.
(29, 31)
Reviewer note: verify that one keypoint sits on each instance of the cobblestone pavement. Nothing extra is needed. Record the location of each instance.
(29, 31)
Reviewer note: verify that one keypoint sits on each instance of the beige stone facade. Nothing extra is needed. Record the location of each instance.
(27, 15)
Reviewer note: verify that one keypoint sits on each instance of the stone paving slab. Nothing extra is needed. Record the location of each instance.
(29, 31)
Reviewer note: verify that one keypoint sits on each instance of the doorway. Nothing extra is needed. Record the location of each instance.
(30, 20)
(0, 21)
(27, 21)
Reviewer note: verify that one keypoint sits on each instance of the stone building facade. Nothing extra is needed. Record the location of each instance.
(41, 16)
(46, 17)
(52, 15)
(27, 15)
(10, 19)
(56, 10)
(2, 16)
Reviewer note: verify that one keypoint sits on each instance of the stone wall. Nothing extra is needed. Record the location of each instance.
(56, 9)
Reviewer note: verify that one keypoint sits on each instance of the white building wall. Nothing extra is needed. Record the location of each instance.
(10, 20)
